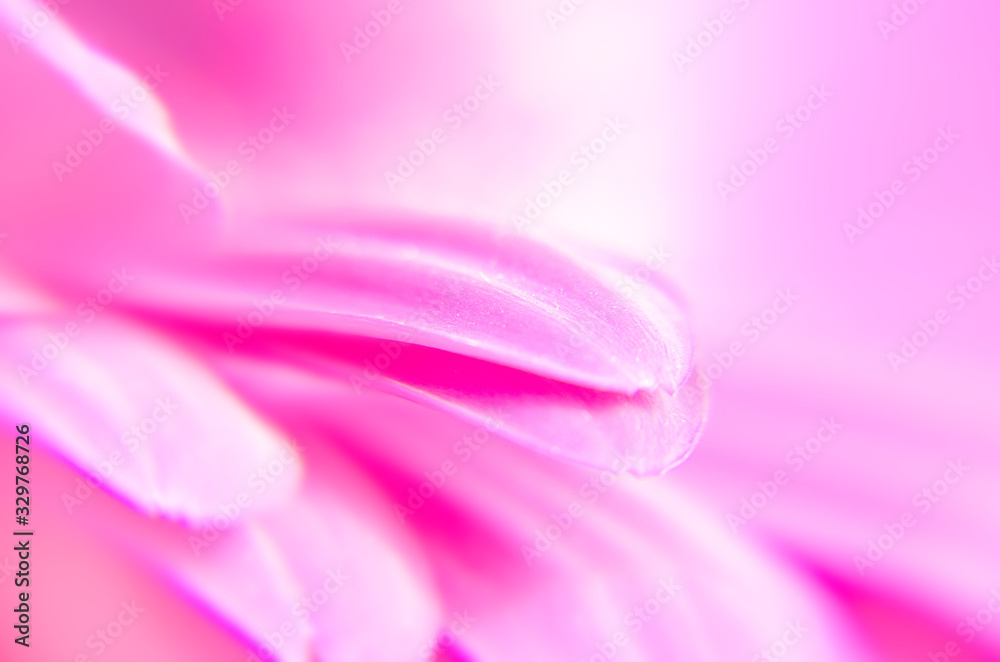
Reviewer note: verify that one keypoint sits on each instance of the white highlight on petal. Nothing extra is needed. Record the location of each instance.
(98, 77)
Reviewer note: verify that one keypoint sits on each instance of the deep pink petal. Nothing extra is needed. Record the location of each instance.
(646, 433)
(477, 514)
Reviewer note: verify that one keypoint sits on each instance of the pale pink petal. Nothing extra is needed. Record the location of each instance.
(136, 411)
(313, 586)
(83, 579)
(343, 567)
(442, 285)
(382, 582)
(98, 78)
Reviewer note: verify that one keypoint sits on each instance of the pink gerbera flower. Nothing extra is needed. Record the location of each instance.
(299, 385)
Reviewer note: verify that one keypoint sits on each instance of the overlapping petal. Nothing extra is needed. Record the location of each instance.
(439, 284)
(520, 568)
(137, 413)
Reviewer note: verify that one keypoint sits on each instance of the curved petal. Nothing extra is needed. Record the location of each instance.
(85, 582)
(375, 581)
(140, 414)
(86, 190)
(317, 578)
(443, 285)
(646, 433)
(485, 510)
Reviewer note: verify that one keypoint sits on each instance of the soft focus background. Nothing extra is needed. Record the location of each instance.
(818, 180)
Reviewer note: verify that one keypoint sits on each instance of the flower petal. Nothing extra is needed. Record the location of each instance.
(137, 411)
(646, 433)
(85, 191)
(443, 285)
(477, 512)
